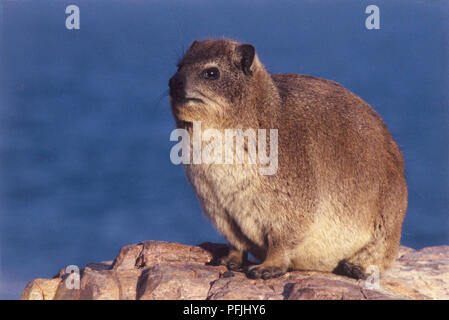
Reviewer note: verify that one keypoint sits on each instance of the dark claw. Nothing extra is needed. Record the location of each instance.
(346, 268)
(264, 273)
(234, 266)
(358, 273)
(231, 265)
(253, 274)
(278, 273)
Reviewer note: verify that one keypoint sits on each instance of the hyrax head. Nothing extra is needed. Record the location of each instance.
(213, 79)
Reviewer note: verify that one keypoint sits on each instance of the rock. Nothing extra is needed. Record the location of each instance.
(177, 281)
(168, 270)
(427, 270)
(41, 289)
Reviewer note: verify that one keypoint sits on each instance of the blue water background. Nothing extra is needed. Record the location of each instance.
(85, 119)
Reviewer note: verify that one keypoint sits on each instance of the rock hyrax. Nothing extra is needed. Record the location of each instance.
(339, 196)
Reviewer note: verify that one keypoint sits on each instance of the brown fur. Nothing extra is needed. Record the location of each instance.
(339, 193)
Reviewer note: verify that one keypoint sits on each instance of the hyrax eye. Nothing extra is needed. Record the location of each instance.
(211, 74)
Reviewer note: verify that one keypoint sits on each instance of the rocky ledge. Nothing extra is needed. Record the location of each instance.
(168, 270)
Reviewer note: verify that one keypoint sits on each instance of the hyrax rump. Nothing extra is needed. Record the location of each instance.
(339, 196)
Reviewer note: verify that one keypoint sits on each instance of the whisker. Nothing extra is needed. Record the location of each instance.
(157, 102)
(210, 99)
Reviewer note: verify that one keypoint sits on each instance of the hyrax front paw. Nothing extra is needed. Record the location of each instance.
(264, 272)
(348, 269)
(234, 260)
(231, 262)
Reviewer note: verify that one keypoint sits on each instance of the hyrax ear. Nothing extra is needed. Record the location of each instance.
(245, 57)
(194, 44)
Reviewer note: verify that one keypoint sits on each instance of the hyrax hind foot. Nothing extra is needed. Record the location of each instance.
(346, 268)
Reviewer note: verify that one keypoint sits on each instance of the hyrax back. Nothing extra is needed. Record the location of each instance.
(339, 196)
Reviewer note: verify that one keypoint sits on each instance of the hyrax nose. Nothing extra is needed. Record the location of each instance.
(177, 85)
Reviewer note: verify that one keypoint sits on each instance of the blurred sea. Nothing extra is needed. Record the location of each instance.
(85, 119)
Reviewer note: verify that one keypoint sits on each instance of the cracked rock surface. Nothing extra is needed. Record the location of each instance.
(168, 270)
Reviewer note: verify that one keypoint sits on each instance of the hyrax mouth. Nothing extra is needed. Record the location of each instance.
(192, 99)
(184, 101)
